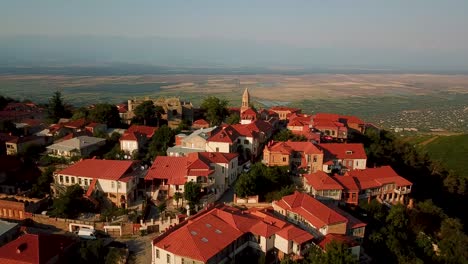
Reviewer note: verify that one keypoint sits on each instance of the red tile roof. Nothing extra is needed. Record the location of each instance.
(339, 238)
(34, 249)
(376, 177)
(315, 212)
(245, 130)
(227, 135)
(200, 122)
(326, 116)
(211, 231)
(285, 108)
(217, 157)
(79, 123)
(353, 222)
(343, 151)
(352, 119)
(147, 130)
(99, 169)
(295, 234)
(347, 182)
(173, 169)
(260, 126)
(321, 181)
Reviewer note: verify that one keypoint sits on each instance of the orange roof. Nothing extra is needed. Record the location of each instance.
(200, 239)
(211, 231)
(285, 108)
(99, 169)
(147, 130)
(339, 238)
(376, 177)
(295, 234)
(173, 169)
(347, 182)
(326, 116)
(343, 151)
(310, 209)
(217, 157)
(34, 248)
(352, 119)
(227, 134)
(321, 181)
(201, 122)
(245, 130)
(76, 123)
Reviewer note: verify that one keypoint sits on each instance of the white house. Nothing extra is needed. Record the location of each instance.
(115, 179)
(78, 146)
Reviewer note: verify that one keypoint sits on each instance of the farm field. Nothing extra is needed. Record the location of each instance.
(423, 101)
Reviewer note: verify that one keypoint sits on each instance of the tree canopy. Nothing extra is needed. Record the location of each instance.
(146, 112)
(160, 141)
(263, 180)
(215, 110)
(71, 203)
(335, 253)
(192, 193)
(285, 135)
(106, 114)
(56, 108)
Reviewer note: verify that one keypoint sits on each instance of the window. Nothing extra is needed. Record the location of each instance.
(112, 185)
(284, 159)
(182, 261)
(168, 258)
(217, 149)
(157, 253)
(315, 158)
(67, 180)
(118, 184)
(61, 179)
(73, 180)
(246, 142)
(222, 170)
(79, 181)
(86, 182)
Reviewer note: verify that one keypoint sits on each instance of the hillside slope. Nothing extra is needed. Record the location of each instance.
(452, 151)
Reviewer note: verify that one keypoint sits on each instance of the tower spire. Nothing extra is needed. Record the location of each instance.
(245, 100)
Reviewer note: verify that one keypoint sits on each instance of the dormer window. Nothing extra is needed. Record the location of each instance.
(349, 152)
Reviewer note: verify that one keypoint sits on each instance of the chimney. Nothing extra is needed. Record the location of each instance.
(21, 248)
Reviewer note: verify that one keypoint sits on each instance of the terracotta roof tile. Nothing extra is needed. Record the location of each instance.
(321, 181)
(295, 234)
(147, 130)
(311, 209)
(343, 151)
(99, 169)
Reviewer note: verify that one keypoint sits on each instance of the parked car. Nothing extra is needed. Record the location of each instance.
(86, 233)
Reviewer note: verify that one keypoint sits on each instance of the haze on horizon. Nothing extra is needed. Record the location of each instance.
(377, 34)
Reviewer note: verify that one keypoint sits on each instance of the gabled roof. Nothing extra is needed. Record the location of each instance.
(260, 126)
(211, 231)
(99, 169)
(173, 169)
(315, 212)
(249, 112)
(245, 130)
(200, 239)
(376, 177)
(226, 134)
(326, 116)
(339, 238)
(218, 157)
(147, 130)
(289, 146)
(76, 143)
(200, 122)
(295, 234)
(347, 182)
(34, 248)
(321, 181)
(79, 123)
(343, 151)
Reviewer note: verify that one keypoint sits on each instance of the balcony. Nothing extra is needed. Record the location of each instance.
(403, 190)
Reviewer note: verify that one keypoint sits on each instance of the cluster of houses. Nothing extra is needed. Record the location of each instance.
(333, 172)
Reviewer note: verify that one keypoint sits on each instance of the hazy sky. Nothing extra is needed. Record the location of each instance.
(436, 29)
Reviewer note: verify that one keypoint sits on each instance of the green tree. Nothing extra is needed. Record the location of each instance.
(285, 135)
(162, 208)
(115, 256)
(42, 186)
(91, 251)
(177, 197)
(454, 242)
(215, 110)
(233, 118)
(145, 112)
(335, 253)
(192, 193)
(106, 114)
(70, 203)
(263, 180)
(56, 108)
(160, 141)
(80, 113)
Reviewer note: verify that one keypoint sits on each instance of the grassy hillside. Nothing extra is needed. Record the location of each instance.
(452, 151)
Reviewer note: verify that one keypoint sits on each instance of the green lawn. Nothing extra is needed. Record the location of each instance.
(452, 151)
